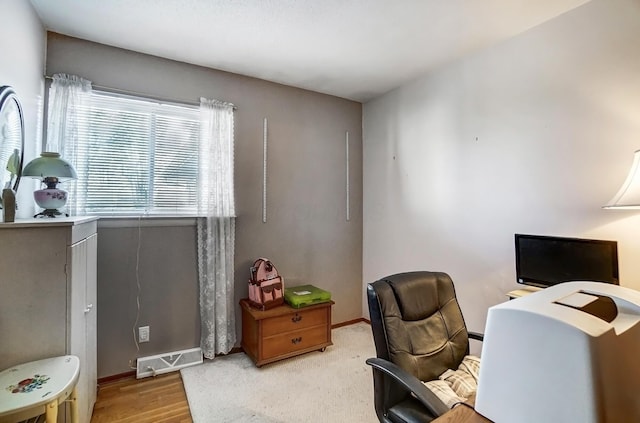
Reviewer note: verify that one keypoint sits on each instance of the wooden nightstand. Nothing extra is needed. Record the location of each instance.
(284, 331)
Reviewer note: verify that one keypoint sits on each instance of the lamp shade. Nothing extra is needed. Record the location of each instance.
(628, 197)
(49, 164)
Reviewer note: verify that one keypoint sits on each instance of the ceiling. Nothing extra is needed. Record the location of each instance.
(355, 49)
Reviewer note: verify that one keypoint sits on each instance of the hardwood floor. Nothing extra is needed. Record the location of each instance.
(159, 399)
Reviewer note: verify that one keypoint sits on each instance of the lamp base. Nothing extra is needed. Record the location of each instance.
(50, 199)
(50, 213)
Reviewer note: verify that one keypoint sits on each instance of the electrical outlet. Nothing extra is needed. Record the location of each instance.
(143, 334)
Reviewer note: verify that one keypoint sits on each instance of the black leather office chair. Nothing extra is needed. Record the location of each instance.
(419, 333)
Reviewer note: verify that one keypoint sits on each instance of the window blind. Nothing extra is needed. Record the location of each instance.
(136, 156)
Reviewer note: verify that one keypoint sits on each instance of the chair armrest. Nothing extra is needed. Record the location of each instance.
(477, 336)
(411, 383)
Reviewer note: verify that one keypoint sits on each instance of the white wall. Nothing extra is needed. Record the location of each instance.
(22, 47)
(530, 136)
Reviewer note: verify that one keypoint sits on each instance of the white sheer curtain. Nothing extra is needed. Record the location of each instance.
(67, 95)
(216, 231)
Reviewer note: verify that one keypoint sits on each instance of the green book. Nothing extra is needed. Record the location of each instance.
(305, 295)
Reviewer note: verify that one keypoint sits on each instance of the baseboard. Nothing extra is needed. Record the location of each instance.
(113, 378)
(350, 322)
(236, 350)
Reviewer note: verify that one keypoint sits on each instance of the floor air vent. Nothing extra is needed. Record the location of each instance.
(167, 362)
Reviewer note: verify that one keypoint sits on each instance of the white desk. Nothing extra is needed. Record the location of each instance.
(517, 293)
(32, 389)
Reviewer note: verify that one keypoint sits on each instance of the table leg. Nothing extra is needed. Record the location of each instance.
(75, 418)
(51, 413)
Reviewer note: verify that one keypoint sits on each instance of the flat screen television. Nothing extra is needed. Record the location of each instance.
(543, 261)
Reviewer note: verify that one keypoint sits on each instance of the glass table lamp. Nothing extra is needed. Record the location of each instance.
(51, 170)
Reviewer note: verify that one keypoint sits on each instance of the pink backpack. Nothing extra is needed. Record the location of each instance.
(266, 287)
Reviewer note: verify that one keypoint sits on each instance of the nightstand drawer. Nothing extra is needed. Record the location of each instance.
(295, 321)
(283, 332)
(294, 341)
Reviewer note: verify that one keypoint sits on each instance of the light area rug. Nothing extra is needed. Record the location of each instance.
(331, 386)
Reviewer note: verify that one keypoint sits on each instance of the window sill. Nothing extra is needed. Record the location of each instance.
(145, 221)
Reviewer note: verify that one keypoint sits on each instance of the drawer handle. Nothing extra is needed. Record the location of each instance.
(296, 318)
(296, 340)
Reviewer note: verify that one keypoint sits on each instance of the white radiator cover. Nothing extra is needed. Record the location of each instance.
(154, 365)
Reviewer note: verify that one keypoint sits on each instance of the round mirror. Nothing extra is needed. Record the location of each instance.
(11, 139)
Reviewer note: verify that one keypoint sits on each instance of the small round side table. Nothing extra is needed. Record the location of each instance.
(32, 389)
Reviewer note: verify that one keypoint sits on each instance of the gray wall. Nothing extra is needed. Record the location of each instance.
(532, 135)
(306, 235)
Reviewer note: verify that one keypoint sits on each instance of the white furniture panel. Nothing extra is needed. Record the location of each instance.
(48, 271)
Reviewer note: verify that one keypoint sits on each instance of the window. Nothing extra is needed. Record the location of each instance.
(136, 156)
